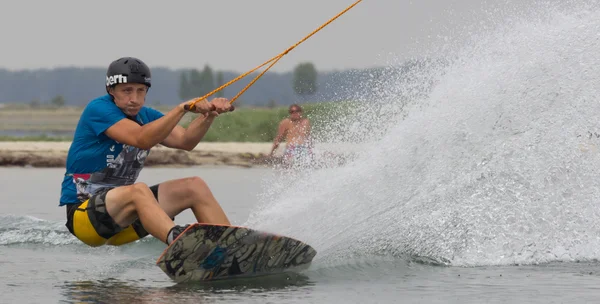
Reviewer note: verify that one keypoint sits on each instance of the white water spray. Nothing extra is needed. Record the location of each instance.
(497, 165)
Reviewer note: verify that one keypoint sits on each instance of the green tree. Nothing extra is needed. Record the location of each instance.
(207, 81)
(184, 86)
(35, 103)
(58, 101)
(220, 82)
(194, 83)
(305, 79)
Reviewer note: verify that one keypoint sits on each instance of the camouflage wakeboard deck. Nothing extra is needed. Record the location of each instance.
(215, 252)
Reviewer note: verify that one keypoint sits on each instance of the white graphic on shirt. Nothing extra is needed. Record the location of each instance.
(120, 171)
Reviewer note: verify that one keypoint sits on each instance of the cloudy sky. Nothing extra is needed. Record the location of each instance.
(231, 35)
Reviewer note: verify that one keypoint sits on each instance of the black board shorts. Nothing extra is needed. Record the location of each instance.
(90, 223)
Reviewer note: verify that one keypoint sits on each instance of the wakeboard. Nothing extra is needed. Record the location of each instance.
(204, 252)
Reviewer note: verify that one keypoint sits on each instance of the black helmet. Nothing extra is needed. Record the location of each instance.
(127, 70)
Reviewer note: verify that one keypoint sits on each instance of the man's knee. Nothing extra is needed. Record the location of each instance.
(196, 181)
(141, 193)
(196, 186)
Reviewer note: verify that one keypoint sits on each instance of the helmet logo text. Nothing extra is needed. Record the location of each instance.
(114, 79)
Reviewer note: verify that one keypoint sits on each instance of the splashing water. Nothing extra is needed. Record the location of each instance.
(32, 230)
(489, 157)
(16, 230)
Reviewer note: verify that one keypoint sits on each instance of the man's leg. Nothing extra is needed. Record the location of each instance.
(127, 203)
(174, 196)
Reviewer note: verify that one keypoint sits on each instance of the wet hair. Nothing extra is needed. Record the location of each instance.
(296, 107)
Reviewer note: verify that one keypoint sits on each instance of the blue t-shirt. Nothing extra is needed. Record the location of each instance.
(95, 161)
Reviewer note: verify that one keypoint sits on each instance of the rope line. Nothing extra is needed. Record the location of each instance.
(273, 61)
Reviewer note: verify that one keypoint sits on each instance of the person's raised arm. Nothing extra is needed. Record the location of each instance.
(283, 125)
(188, 139)
(149, 135)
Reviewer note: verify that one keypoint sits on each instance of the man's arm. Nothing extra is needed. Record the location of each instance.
(188, 139)
(155, 132)
(282, 130)
(147, 136)
(307, 127)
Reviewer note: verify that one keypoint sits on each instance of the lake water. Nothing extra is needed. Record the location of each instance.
(42, 263)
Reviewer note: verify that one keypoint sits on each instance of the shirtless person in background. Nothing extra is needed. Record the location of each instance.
(296, 131)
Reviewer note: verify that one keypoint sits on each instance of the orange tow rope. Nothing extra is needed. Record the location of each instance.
(272, 61)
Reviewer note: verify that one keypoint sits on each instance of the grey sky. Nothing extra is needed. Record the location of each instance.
(231, 35)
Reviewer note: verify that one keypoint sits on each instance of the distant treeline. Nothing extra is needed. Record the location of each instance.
(76, 86)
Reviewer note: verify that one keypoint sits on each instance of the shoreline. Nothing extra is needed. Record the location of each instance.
(242, 154)
(54, 154)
